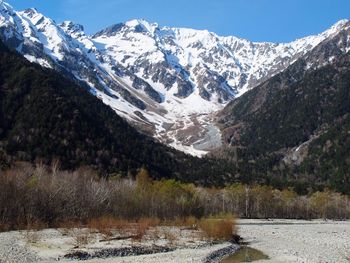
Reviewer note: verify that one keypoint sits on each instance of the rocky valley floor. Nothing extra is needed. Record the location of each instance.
(161, 244)
(299, 241)
(281, 240)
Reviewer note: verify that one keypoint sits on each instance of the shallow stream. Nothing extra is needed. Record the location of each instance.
(245, 254)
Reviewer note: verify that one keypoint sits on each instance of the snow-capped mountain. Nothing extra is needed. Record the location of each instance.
(168, 81)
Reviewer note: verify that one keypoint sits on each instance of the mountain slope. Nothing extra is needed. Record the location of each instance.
(45, 116)
(166, 81)
(292, 128)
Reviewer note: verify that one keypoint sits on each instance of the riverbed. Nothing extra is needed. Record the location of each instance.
(316, 241)
(275, 241)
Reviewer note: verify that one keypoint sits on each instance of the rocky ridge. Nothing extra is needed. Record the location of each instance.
(167, 81)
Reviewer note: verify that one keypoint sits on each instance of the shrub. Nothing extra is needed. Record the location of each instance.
(218, 229)
(81, 237)
(170, 236)
(106, 225)
(140, 230)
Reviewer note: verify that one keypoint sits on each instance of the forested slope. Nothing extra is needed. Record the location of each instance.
(45, 116)
(294, 128)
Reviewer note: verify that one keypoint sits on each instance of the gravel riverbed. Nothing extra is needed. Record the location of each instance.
(284, 241)
(12, 249)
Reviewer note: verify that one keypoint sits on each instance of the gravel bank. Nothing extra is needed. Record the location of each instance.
(12, 249)
(299, 241)
(282, 240)
(52, 245)
(218, 255)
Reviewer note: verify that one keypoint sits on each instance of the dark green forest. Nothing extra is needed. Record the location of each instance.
(45, 116)
(288, 110)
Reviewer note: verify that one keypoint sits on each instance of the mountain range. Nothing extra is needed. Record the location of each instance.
(295, 126)
(166, 81)
(272, 113)
(46, 118)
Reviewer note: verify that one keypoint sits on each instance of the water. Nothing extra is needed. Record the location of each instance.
(245, 254)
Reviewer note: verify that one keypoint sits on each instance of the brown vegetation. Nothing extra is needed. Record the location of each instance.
(39, 197)
(218, 229)
(106, 225)
(81, 237)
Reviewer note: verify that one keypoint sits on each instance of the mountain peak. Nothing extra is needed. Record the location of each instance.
(340, 23)
(338, 26)
(5, 7)
(109, 31)
(136, 25)
(141, 25)
(155, 75)
(31, 12)
(36, 17)
(71, 27)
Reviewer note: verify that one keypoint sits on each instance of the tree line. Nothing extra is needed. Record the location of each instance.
(29, 195)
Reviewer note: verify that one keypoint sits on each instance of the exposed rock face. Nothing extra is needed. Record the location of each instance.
(296, 123)
(167, 73)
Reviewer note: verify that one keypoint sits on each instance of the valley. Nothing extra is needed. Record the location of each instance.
(237, 105)
(138, 142)
(155, 76)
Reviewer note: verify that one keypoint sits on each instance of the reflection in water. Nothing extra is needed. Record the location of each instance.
(245, 254)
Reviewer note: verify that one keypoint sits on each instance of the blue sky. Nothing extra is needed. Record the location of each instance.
(257, 20)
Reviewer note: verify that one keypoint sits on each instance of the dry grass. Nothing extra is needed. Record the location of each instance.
(142, 226)
(68, 224)
(170, 236)
(154, 234)
(214, 228)
(217, 229)
(151, 222)
(137, 230)
(35, 225)
(190, 222)
(4, 227)
(64, 227)
(81, 237)
(31, 233)
(107, 225)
